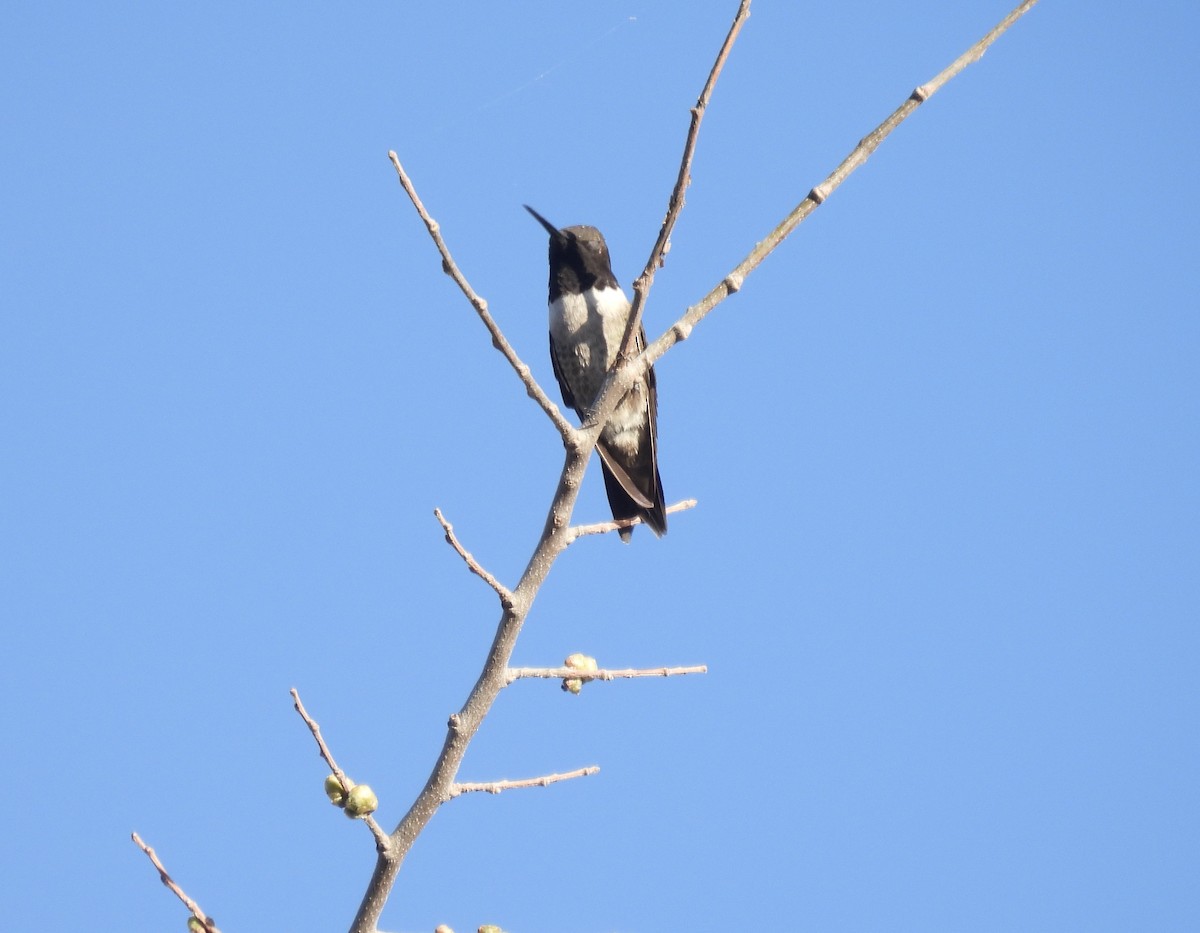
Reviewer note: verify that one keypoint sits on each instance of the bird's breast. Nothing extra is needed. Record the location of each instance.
(587, 329)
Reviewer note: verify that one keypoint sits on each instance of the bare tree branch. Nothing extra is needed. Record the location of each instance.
(558, 534)
(474, 565)
(495, 787)
(570, 673)
(643, 283)
(599, 528)
(206, 922)
(499, 341)
(382, 842)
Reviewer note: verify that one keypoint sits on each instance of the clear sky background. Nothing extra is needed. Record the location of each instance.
(945, 567)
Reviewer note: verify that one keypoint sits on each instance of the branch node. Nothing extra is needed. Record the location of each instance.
(734, 281)
(820, 192)
(921, 93)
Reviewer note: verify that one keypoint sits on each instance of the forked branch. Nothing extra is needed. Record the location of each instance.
(642, 284)
(732, 282)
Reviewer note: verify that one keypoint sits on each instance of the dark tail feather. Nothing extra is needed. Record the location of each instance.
(623, 507)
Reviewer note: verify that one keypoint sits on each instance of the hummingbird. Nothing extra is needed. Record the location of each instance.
(588, 315)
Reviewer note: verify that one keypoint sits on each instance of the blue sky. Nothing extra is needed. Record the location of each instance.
(945, 567)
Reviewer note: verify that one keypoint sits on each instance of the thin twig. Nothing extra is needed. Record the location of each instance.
(599, 528)
(495, 787)
(381, 838)
(642, 284)
(205, 920)
(475, 567)
(321, 746)
(499, 341)
(570, 673)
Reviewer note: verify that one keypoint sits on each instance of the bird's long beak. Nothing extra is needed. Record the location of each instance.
(550, 228)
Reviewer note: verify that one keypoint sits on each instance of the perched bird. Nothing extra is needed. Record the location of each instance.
(588, 316)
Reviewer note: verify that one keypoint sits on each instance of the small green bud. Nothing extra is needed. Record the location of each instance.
(361, 801)
(333, 790)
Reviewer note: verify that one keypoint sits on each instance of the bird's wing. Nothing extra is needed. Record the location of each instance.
(652, 404)
(568, 396)
(644, 497)
(623, 478)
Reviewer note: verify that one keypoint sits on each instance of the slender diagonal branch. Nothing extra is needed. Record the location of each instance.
(474, 565)
(570, 673)
(495, 787)
(643, 283)
(206, 922)
(381, 838)
(499, 341)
